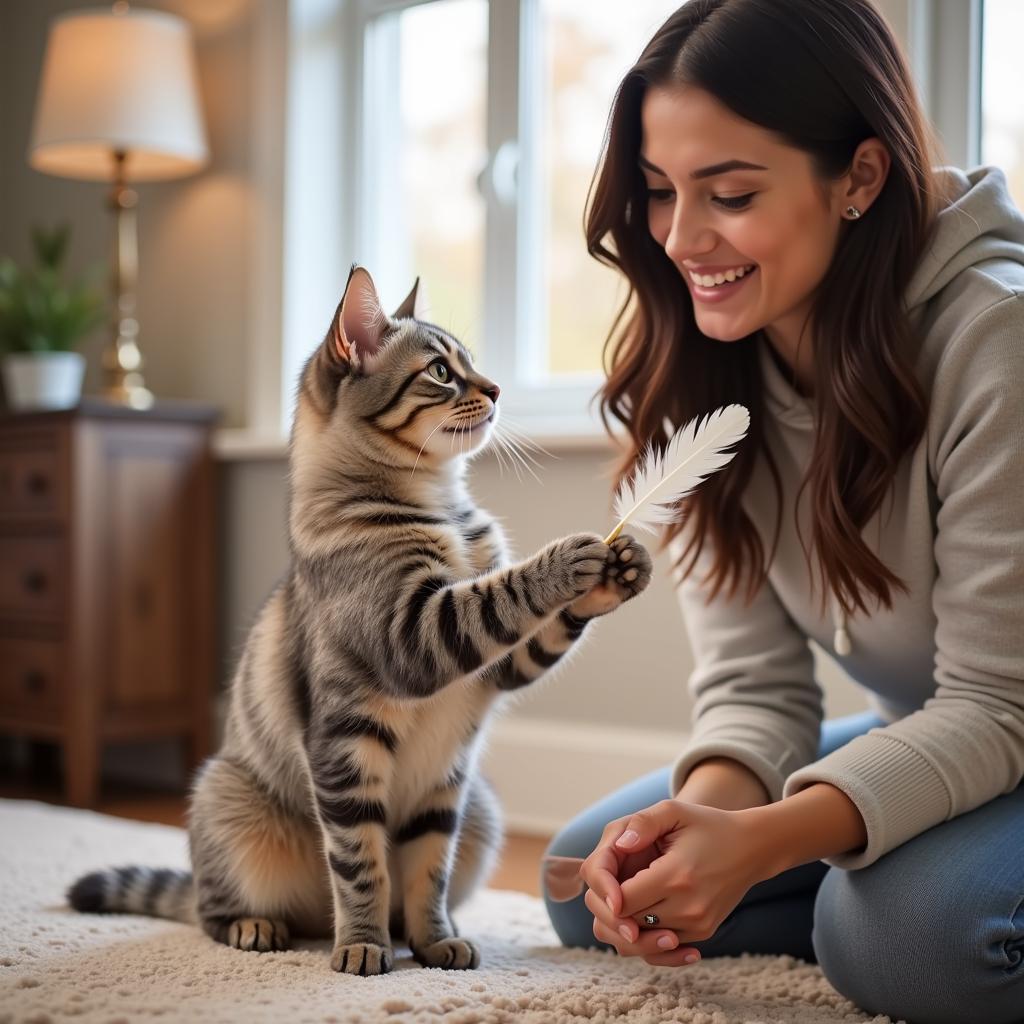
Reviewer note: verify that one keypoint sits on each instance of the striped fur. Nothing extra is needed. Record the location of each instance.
(346, 797)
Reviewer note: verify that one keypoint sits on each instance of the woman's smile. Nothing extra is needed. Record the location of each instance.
(717, 292)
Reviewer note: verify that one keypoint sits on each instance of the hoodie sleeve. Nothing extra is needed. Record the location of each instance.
(965, 746)
(755, 696)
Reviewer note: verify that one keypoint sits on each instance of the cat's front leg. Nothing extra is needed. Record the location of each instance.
(349, 778)
(426, 854)
(627, 572)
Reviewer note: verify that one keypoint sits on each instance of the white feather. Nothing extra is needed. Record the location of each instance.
(695, 452)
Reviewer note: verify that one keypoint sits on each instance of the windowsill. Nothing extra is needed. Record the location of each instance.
(553, 434)
(237, 444)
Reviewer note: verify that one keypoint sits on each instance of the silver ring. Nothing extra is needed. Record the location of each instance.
(651, 919)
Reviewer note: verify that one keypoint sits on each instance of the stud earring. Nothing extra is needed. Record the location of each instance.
(852, 212)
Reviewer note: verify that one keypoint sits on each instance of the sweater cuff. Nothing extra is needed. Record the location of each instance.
(770, 766)
(898, 792)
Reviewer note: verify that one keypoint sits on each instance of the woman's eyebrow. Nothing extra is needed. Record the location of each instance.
(707, 172)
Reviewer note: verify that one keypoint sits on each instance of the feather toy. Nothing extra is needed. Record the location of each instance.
(695, 451)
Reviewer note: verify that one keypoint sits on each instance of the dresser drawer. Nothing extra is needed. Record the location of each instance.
(33, 577)
(30, 677)
(31, 483)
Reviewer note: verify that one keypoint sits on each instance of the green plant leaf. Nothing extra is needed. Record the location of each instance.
(39, 311)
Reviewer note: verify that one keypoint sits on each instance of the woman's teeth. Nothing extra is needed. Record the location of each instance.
(713, 280)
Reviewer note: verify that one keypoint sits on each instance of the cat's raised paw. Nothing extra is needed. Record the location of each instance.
(363, 958)
(629, 566)
(453, 954)
(258, 934)
(626, 573)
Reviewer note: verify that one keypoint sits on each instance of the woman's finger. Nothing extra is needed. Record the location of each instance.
(626, 929)
(600, 871)
(647, 826)
(647, 944)
(646, 888)
(681, 956)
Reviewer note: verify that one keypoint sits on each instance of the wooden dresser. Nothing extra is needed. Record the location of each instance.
(107, 581)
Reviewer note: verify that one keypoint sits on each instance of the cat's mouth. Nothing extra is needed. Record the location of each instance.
(461, 428)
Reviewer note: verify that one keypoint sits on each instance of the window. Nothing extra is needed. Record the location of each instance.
(1002, 82)
(424, 145)
(586, 49)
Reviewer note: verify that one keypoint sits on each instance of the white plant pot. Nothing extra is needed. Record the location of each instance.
(43, 380)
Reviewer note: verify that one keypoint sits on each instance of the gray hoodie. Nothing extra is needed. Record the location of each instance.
(945, 666)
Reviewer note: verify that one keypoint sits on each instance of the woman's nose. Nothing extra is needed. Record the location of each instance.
(687, 238)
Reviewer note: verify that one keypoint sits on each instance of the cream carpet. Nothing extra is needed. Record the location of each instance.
(56, 965)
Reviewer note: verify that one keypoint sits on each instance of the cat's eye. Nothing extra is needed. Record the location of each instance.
(438, 369)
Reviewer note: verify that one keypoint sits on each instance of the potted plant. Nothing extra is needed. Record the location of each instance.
(42, 318)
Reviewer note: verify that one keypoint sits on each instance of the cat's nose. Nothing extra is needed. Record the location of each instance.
(491, 391)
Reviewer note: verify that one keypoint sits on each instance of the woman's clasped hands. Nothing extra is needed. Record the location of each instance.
(686, 863)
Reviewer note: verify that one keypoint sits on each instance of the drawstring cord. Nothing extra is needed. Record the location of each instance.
(841, 640)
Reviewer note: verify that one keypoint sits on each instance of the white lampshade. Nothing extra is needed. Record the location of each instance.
(112, 81)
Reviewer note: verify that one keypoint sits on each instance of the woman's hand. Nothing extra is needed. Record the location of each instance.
(688, 864)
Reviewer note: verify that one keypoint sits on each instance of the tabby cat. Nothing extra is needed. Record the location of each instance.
(345, 797)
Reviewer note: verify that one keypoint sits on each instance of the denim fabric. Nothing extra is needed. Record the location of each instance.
(932, 933)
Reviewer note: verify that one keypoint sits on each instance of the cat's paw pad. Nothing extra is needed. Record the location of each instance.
(452, 954)
(627, 571)
(259, 934)
(628, 567)
(363, 958)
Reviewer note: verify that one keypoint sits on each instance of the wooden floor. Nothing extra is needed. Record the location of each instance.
(518, 868)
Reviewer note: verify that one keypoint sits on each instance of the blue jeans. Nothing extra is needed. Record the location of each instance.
(933, 932)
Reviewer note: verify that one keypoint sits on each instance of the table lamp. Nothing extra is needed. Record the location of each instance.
(118, 102)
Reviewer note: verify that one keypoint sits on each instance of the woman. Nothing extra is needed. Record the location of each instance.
(766, 192)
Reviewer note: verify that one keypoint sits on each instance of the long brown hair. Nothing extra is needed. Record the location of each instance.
(824, 75)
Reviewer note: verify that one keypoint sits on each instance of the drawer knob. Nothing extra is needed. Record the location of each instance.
(34, 581)
(34, 681)
(38, 483)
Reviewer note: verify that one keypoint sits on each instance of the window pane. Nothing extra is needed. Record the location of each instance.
(588, 46)
(440, 147)
(1002, 84)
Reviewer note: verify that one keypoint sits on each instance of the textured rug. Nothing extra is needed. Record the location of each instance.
(56, 965)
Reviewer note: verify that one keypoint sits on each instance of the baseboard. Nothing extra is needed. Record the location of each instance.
(546, 772)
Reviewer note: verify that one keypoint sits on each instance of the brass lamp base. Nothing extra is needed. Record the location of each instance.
(122, 361)
(122, 370)
(137, 397)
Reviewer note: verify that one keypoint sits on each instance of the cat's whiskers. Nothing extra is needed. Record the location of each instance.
(523, 444)
(501, 450)
(519, 447)
(524, 439)
(511, 447)
(498, 452)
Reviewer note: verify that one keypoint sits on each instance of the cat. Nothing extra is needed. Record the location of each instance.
(345, 799)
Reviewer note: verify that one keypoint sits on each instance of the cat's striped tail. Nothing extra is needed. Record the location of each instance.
(156, 892)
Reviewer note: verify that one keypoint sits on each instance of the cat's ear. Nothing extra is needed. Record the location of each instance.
(360, 323)
(413, 306)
